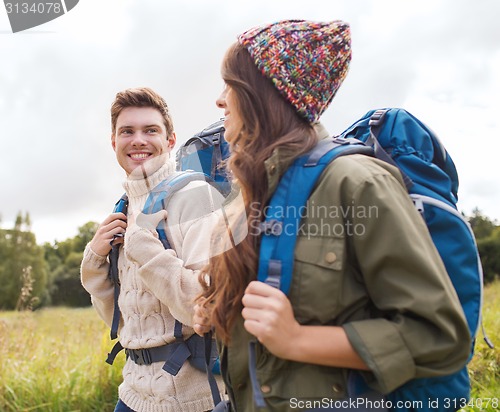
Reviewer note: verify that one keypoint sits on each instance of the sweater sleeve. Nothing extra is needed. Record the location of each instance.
(421, 329)
(94, 276)
(172, 274)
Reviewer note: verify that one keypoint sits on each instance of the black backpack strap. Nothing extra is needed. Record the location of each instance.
(180, 354)
(116, 313)
(252, 361)
(117, 348)
(120, 206)
(207, 338)
(175, 361)
(113, 275)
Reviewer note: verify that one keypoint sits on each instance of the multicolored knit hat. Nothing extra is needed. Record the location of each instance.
(306, 61)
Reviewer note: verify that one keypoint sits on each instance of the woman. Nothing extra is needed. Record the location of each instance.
(379, 302)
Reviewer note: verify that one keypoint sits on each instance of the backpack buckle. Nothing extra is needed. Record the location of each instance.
(377, 117)
(139, 356)
(216, 139)
(339, 141)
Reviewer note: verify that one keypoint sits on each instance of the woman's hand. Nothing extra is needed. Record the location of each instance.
(201, 318)
(269, 317)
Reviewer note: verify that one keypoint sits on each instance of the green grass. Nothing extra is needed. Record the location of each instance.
(52, 360)
(484, 368)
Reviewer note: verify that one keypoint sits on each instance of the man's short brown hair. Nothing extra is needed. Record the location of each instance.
(140, 97)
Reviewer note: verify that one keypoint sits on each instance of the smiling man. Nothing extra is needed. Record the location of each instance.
(157, 285)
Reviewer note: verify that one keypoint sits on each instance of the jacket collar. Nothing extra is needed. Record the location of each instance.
(275, 166)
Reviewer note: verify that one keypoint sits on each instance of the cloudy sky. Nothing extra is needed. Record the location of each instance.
(439, 59)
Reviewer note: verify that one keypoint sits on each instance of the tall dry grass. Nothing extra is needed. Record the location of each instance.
(52, 360)
(484, 368)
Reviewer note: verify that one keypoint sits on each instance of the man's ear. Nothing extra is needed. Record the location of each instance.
(113, 143)
(171, 140)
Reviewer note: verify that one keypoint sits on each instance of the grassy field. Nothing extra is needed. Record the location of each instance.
(53, 360)
(485, 366)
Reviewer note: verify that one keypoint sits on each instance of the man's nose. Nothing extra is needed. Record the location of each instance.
(139, 139)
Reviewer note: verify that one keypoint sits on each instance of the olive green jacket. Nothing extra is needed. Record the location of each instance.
(363, 260)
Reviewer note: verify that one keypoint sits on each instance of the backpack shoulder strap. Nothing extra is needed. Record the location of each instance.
(120, 207)
(157, 200)
(293, 191)
(279, 230)
(161, 195)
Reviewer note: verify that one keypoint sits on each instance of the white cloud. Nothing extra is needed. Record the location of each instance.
(438, 58)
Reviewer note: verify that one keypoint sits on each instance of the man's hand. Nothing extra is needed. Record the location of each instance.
(110, 231)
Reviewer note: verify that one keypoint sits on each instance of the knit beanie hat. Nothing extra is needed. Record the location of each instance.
(306, 61)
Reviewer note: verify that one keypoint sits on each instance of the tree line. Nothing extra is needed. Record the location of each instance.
(34, 276)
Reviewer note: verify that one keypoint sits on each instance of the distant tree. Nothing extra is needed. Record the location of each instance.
(489, 250)
(53, 261)
(487, 233)
(481, 225)
(68, 290)
(64, 259)
(19, 253)
(85, 235)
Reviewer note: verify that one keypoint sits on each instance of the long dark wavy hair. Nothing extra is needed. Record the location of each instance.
(269, 122)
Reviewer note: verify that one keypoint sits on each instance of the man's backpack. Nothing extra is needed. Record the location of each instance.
(397, 137)
(206, 152)
(201, 352)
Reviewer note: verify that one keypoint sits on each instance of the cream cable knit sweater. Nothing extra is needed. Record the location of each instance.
(158, 285)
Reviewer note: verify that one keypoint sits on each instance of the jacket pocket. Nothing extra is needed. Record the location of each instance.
(317, 278)
(299, 383)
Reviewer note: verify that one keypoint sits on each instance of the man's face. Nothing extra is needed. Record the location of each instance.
(140, 136)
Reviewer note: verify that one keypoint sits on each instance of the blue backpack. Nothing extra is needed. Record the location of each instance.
(397, 137)
(206, 152)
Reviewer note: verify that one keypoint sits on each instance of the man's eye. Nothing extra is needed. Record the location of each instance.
(152, 130)
(126, 131)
